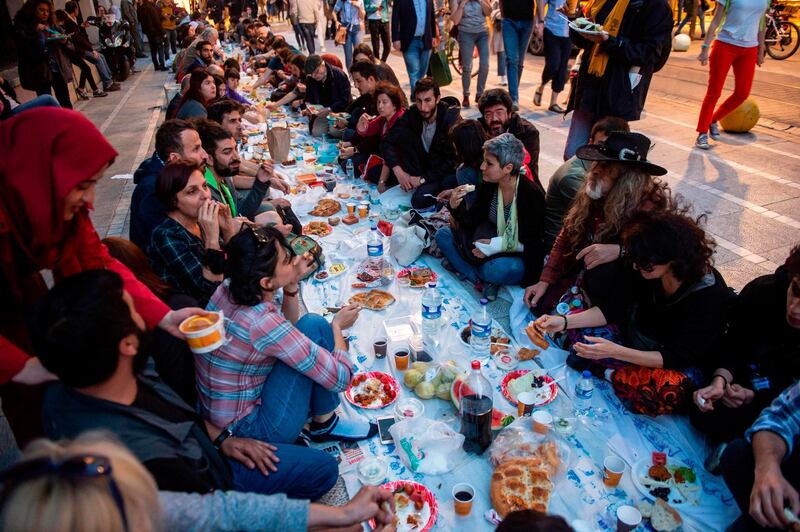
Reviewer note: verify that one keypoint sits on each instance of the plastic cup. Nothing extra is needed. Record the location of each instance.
(363, 209)
(542, 421)
(628, 518)
(401, 359)
(613, 468)
(379, 346)
(204, 333)
(463, 494)
(525, 401)
(351, 208)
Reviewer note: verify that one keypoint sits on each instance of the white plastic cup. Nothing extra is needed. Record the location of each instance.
(204, 339)
(628, 518)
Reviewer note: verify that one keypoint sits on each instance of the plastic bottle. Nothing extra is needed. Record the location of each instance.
(759, 382)
(351, 176)
(481, 331)
(584, 389)
(431, 313)
(476, 411)
(375, 249)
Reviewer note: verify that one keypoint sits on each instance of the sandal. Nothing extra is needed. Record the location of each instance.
(557, 109)
(537, 96)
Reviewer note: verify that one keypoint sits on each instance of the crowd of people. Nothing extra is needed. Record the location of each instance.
(615, 268)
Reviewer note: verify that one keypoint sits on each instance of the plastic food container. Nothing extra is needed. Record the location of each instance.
(408, 408)
(372, 471)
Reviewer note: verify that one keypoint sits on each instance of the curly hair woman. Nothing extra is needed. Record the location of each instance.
(671, 315)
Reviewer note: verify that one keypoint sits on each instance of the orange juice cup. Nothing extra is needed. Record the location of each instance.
(463, 494)
(542, 421)
(351, 208)
(401, 359)
(613, 468)
(204, 333)
(363, 209)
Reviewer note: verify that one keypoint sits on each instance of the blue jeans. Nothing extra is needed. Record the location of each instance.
(352, 39)
(501, 63)
(500, 271)
(466, 44)
(45, 100)
(516, 36)
(287, 399)
(580, 129)
(102, 67)
(416, 59)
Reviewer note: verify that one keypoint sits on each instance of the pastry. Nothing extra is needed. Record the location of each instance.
(420, 276)
(373, 300)
(664, 517)
(659, 472)
(334, 220)
(468, 188)
(350, 219)
(537, 336)
(317, 229)
(527, 354)
(289, 162)
(326, 207)
(521, 484)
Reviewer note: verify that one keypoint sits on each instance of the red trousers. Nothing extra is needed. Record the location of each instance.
(723, 56)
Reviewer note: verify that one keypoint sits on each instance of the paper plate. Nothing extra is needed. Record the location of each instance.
(428, 497)
(686, 496)
(511, 375)
(389, 383)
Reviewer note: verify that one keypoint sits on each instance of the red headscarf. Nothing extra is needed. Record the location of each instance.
(44, 153)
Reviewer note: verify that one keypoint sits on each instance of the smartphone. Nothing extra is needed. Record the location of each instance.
(383, 429)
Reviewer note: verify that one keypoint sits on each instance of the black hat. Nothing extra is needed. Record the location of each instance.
(622, 147)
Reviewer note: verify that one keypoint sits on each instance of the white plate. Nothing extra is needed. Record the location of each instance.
(585, 32)
(677, 498)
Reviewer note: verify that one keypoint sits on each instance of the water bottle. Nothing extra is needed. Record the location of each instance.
(481, 330)
(351, 176)
(431, 313)
(759, 382)
(375, 249)
(476, 411)
(584, 389)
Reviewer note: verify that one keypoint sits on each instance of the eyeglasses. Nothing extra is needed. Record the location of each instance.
(81, 466)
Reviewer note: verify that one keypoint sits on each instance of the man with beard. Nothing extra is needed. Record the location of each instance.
(224, 164)
(175, 140)
(498, 117)
(205, 56)
(418, 147)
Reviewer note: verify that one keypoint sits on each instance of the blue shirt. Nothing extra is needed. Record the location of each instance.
(781, 417)
(555, 21)
(348, 13)
(421, 7)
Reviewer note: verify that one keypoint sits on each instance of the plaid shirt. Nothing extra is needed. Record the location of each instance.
(230, 379)
(781, 417)
(177, 257)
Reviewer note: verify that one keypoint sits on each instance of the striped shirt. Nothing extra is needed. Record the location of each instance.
(781, 417)
(230, 379)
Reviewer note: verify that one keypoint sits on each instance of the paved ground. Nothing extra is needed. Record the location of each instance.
(749, 185)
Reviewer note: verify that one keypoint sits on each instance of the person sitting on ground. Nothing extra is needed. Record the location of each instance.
(89, 334)
(589, 244)
(509, 209)
(202, 91)
(364, 52)
(278, 369)
(498, 116)
(365, 79)
(326, 85)
(670, 315)
(208, 34)
(10, 106)
(293, 89)
(172, 106)
(468, 138)
(173, 360)
(533, 521)
(114, 492)
(752, 369)
(568, 179)
(391, 104)
(225, 163)
(175, 140)
(204, 58)
(418, 149)
(232, 85)
(761, 469)
(185, 248)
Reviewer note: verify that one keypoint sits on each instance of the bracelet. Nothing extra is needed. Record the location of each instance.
(224, 435)
(566, 323)
(705, 46)
(721, 377)
(289, 293)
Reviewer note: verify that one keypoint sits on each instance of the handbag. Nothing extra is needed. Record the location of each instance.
(302, 244)
(341, 35)
(406, 243)
(440, 68)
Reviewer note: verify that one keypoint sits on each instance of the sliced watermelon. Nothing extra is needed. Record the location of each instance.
(499, 419)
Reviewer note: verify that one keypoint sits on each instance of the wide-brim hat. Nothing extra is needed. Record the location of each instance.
(622, 147)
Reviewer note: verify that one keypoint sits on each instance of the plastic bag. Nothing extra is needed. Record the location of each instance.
(430, 379)
(517, 440)
(428, 447)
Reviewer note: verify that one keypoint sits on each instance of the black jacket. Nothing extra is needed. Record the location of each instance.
(645, 29)
(527, 133)
(146, 209)
(78, 35)
(403, 144)
(33, 67)
(404, 22)
(334, 92)
(473, 224)
(150, 19)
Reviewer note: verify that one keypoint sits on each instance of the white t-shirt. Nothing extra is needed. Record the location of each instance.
(740, 27)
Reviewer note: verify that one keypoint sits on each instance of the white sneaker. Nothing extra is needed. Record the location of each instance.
(713, 130)
(702, 142)
(323, 50)
(503, 81)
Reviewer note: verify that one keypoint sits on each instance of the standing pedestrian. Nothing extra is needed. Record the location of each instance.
(470, 17)
(415, 33)
(298, 33)
(699, 11)
(378, 25)
(128, 11)
(169, 25)
(351, 15)
(554, 29)
(497, 48)
(307, 17)
(739, 44)
(150, 18)
(326, 13)
(517, 28)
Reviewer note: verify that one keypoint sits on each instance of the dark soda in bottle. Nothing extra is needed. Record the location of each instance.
(476, 411)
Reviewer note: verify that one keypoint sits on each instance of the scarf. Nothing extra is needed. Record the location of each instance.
(612, 25)
(223, 189)
(508, 231)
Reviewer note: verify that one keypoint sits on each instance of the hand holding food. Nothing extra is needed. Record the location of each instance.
(347, 316)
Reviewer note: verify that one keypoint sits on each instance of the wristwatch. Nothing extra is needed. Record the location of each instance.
(224, 435)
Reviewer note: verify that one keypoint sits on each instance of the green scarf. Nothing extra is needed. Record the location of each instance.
(223, 189)
(509, 231)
